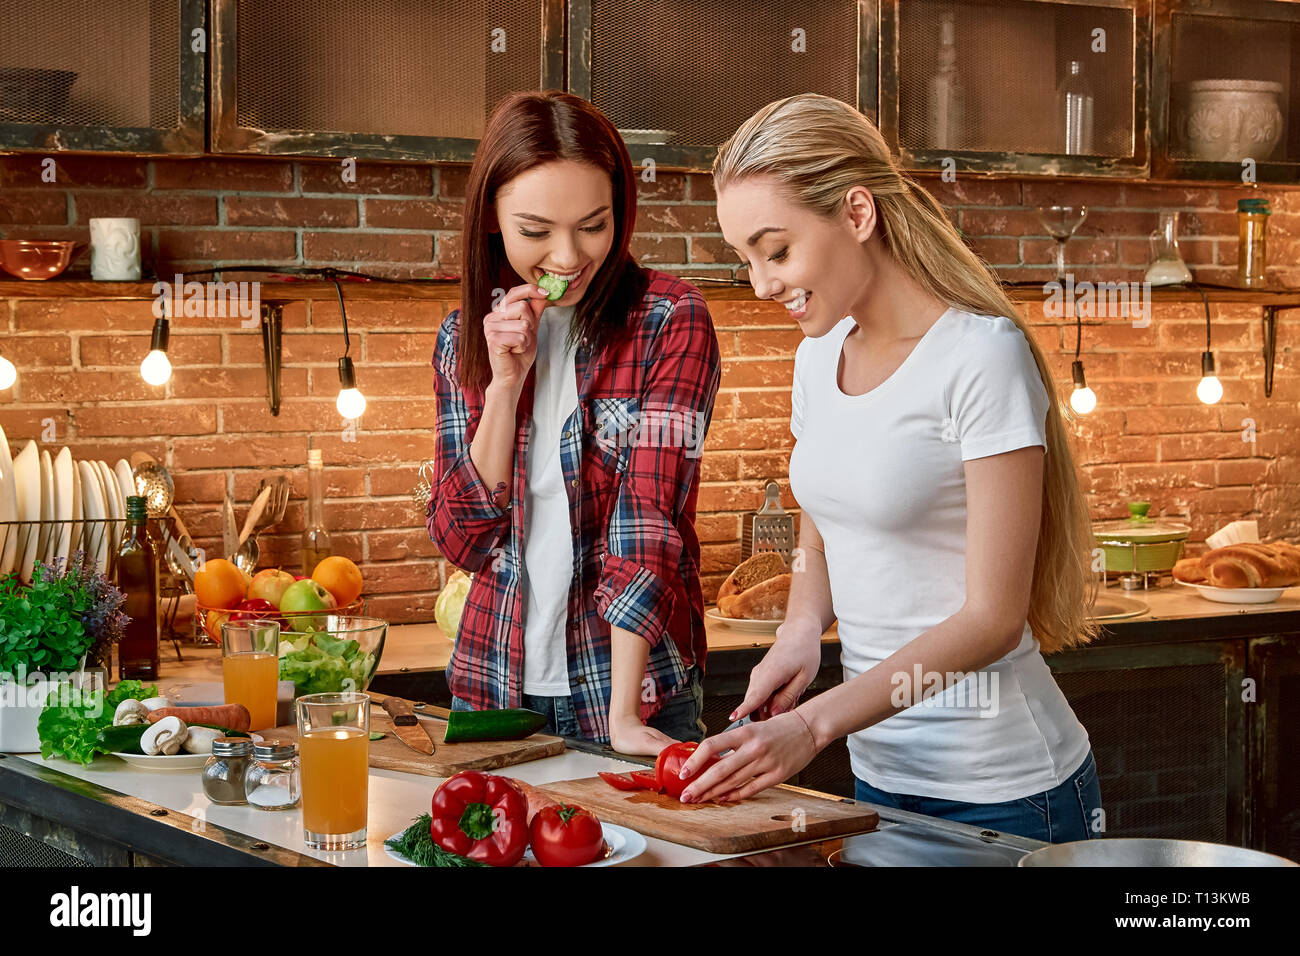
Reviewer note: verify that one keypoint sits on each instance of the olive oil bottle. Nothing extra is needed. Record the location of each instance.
(136, 576)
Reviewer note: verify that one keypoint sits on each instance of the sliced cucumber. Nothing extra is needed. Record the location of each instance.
(553, 285)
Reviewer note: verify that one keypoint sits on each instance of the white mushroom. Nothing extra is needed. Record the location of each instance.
(199, 739)
(129, 712)
(165, 737)
(155, 703)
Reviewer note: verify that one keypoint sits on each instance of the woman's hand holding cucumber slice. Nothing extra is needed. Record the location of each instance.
(511, 334)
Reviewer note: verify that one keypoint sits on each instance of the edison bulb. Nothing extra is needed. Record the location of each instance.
(1210, 389)
(351, 403)
(8, 374)
(156, 369)
(1083, 400)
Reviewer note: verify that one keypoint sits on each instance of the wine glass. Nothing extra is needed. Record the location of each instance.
(1061, 223)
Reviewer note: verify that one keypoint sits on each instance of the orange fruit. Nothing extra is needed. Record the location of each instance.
(340, 577)
(220, 584)
(212, 623)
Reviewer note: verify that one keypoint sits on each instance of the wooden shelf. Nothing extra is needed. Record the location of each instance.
(449, 291)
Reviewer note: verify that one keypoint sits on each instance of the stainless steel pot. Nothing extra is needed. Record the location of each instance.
(1127, 851)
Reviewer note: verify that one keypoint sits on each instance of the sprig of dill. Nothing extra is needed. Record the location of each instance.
(416, 844)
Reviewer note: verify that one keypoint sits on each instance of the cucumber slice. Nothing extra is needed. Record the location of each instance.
(553, 285)
(513, 724)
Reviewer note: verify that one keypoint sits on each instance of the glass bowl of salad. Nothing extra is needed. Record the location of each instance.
(335, 652)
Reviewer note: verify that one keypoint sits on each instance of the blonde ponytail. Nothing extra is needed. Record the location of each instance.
(818, 148)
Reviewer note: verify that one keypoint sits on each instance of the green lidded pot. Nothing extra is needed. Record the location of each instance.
(1139, 543)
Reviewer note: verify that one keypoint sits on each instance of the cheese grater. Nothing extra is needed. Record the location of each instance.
(769, 528)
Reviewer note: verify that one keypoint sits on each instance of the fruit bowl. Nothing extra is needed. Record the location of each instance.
(300, 621)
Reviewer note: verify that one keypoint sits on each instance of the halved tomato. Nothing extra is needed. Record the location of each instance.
(620, 781)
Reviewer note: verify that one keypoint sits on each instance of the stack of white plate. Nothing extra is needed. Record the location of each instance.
(66, 506)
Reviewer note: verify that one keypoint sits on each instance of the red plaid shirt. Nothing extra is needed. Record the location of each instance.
(630, 453)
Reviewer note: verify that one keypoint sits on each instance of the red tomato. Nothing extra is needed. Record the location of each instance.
(648, 781)
(620, 781)
(563, 835)
(670, 761)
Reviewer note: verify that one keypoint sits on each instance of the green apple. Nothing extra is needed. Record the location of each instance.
(306, 595)
(270, 585)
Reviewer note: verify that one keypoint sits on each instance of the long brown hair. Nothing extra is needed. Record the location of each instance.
(529, 129)
(818, 148)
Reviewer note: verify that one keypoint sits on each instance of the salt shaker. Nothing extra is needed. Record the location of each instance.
(272, 780)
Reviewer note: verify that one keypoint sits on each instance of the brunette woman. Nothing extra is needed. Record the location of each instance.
(569, 432)
(942, 521)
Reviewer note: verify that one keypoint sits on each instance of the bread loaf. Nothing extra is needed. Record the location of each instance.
(758, 589)
(1274, 564)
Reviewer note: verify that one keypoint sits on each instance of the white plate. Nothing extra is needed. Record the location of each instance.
(8, 508)
(27, 473)
(743, 623)
(624, 845)
(113, 507)
(1235, 595)
(122, 472)
(93, 537)
(74, 540)
(45, 546)
(62, 533)
(180, 761)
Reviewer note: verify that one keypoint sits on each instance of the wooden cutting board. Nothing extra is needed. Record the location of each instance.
(775, 817)
(391, 754)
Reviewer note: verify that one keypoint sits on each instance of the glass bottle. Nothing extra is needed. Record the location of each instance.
(1252, 242)
(945, 102)
(136, 576)
(1076, 110)
(315, 539)
(273, 780)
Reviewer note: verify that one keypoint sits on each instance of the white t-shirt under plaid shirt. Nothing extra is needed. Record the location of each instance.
(882, 476)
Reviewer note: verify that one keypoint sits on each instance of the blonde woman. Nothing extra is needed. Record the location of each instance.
(942, 521)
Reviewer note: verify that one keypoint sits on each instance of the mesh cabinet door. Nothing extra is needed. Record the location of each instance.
(119, 76)
(677, 77)
(380, 79)
(1017, 86)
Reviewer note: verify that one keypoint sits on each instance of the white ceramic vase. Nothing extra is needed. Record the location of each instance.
(1231, 120)
(115, 250)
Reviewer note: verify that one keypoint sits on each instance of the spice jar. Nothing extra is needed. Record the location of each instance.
(1252, 245)
(272, 780)
(223, 774)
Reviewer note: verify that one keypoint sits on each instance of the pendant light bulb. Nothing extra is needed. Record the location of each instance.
(1209, 390)
(351, 403)
(156, 368)
(1083, 399)
(8, 374)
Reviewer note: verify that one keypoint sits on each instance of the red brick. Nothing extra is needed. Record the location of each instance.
(449, 254)
(715, 466)
(744, 496)
(416, 348)
(38, 351)
(1000, 221)
(101, 351)
(372, 446)
(712, 249)
(741, 435)
(45, 315)
(1118, 222)
(971, 190)
(772, 403)
(452, 180)
(412, 608)
(742, 314)
(1110, 335)
(20, 424)
(1162, 421)
(399, 480)
(425, 214)
(111, 451)
(1202, 446)
(163, 418)
(1201, 222)
(212, 383)
(236, 451)
(700, 187)
(398, 545)
(34, 206)
(372, 178)
(151, 209)
(366, 247)
(1245, 471)
(995, 251)
(1078, 252)
(716, 529)
(86, 386)
(1168, 196)
(107, 172)
(224, 173)
(372, 515)
(658, 249)
(339, 483)
(756, 373)
(199, 487)
(781, 343)
(669, 218)
(1224, 335)
(719, 557)
(666, 186)
(295, 212)
(1120, 448)
(393, 380)
(232, 245)
(769, 464)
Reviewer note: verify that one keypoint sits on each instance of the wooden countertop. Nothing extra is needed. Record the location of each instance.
(412, 648)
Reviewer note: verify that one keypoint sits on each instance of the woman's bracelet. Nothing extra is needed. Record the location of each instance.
(807, 728)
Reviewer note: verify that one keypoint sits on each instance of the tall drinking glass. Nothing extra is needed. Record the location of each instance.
(334, 754)
(250, 668)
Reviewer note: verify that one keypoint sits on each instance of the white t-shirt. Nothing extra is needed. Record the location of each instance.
(548, 536)
(881, 475)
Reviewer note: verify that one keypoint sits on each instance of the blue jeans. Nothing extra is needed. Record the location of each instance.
(1060, 815)
(679, 719)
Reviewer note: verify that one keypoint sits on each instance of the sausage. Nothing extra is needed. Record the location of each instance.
(230, 716)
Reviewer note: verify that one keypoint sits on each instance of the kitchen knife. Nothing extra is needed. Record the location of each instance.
(407, 726)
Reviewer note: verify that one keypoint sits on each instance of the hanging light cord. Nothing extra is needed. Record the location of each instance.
(1078, 333)
(347, 343)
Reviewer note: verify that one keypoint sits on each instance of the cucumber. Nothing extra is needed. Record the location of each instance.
(124, 740)
(553, 285)
(514, 724)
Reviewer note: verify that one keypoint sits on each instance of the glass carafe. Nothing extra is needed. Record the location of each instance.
(1167, 266)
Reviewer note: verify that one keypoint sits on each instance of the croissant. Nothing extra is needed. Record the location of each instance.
(1274, 564)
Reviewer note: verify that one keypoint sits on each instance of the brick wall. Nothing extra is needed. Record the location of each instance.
(1149, 437)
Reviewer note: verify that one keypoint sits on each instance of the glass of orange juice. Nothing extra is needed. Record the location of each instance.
(250, 668)
(334, 757)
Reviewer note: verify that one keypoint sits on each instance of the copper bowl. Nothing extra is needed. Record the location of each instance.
(36, 258)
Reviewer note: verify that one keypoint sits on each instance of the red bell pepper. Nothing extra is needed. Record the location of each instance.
(482, 817)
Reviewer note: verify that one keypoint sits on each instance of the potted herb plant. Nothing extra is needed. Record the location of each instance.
(57, 631)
